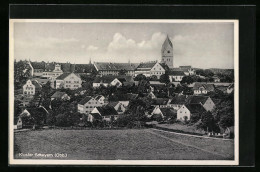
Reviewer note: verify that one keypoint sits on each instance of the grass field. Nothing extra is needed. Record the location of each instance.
(146, 144)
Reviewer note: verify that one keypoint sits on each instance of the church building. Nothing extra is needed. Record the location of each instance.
(167, 52)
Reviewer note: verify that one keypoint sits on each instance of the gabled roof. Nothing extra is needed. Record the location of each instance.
(124, 97)
(36, 84)
(107, 110)
(176, 73)
(16, 120)
(185, 67)
(197, 99)
(58, 95)
(160, 101)
(63, 76)
(208, 87)
(115, 66)
(98, 97)
(36, 110)
(49, 66)
(85, 100)
(195, 108)
(181, 99)
(96, 116)
(168, 111)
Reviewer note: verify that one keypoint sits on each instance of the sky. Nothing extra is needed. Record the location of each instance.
(203, 45)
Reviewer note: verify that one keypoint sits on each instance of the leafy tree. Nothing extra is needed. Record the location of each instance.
(21, 73)
(153, 78)
(62, 120)
(208, 73)
(17, 109)
(164, 78)
(140, 77)
(143, 86)
(187, 80)
(207, 120)
(50, 119)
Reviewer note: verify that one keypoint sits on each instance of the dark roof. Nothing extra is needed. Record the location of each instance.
(160, 101)
(208, 87)
(84, 68)
(115, 66)
(168, 111)
(36, 110)
(106, 110)
(36, 84)
(216, 101)
(124, 97)
(65, 67)
(179, 100)
(197, 99)
(113, 103)
(85, 100)
(98, 97)
(58, 94)
(146, 65)
(38, 65)
(96, 115)
(195, 108)
(176, 73)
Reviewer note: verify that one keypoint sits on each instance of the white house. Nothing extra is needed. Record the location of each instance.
(68, 81)
(107, 81)
(50, 72)
(203, 88)
(87, 104)
(107, 113)
(186, 111)
(176, 76)
(163, 112)
(151, 68)
(31, 87)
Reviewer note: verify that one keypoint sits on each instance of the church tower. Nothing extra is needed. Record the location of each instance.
(167, 52)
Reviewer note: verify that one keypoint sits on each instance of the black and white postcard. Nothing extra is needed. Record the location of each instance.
(123, 92)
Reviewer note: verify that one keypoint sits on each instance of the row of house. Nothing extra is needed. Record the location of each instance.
(182, 106)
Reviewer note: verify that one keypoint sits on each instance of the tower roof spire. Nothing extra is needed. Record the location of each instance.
(167, 41)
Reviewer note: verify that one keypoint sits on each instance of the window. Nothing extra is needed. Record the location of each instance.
(168, 51)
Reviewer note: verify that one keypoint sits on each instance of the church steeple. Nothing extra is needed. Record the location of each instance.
(167, 52)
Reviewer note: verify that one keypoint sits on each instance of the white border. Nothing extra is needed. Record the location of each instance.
(13, 161)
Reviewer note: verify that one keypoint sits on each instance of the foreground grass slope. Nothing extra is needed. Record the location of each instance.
(106, 145)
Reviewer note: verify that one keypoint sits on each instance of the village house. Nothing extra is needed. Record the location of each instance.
(58, 95)
(32, 112)
(101, 99)
(106, 81)
(230, 88)
(49, 72)
(186, 111)
(203, 88)
(18, 123)
(68, 81)
(104, 68)
(205, 101)
(124, 98)
(107, 113)
(177, 101)
(31, 87)
(176, 76)
(164, 113)
(149, 69)
(118, 106)
(87, 104)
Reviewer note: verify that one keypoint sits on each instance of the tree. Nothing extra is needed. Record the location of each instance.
(164, 78)
(208, 73)
(140, 77)
(207, 120)
(153, 78)
(187, 80)
(61, 120)
(50, 119)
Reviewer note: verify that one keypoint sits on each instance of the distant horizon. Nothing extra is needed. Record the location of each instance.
(204, 45)
(121, 62)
